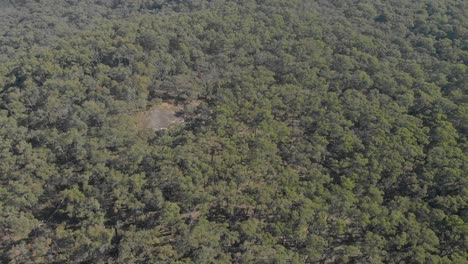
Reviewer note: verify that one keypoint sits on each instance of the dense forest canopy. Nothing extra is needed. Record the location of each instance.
(325, 131)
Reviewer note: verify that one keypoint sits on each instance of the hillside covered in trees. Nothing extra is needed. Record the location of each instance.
(315, 131)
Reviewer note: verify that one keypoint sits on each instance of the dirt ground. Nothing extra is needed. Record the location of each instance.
(159, 117)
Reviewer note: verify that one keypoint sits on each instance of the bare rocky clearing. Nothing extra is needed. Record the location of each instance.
(159, 117)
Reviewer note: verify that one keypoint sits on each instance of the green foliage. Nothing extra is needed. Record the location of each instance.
(314, 132)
